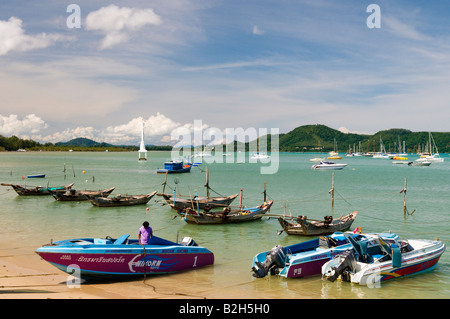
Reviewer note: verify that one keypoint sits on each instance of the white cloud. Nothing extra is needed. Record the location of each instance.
(257, 30)
(403, 29)
(13, 37)
(157, 130)
(116, 23)
(12, 125)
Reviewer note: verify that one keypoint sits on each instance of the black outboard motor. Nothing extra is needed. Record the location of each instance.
(275, 259)
(347, 264)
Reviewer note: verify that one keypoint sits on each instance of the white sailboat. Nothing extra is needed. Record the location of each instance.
(382, 152)
(432, 153)
(142, 150)
(334, 154)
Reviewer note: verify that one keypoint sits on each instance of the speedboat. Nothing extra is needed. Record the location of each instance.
(328, 165)
(259, 156)
(175, 167)
(123, 257)
(379, 258)
(302, 259)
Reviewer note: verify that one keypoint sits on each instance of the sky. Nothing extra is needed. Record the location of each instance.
(100, 68)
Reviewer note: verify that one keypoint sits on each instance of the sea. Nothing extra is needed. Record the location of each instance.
(371, 186)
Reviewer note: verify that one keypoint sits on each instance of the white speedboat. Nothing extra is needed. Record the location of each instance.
(328, 165)
(379, 259)
(260, 156)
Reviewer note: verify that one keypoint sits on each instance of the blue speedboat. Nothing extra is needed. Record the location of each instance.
(175, 167)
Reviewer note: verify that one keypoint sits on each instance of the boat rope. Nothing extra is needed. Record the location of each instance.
(215, 192)
(145, 262)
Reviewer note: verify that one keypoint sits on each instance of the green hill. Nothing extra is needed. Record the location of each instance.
(314, 137)
(83, 142)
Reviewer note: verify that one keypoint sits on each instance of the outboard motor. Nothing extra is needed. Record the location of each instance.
(347, 264)
(275, 259)
(188, 241)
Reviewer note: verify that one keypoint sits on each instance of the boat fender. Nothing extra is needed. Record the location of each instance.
(396, 256)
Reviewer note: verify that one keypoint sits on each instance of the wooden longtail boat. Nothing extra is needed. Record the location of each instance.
(225, 216)
(36, 190)
(310, 227)
(121, 200)
(303, 226)
(196, 201)
(80, 195)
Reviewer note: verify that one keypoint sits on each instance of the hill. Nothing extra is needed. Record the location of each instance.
(83, 142)
(316, 137)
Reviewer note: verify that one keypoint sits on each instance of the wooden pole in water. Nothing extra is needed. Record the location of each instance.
(165, 182)
(240, 200)
(332, 193)
(265, 191)
(207, 182)
(404, 199)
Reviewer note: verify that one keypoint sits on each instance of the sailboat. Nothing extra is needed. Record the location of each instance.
(382, 152)
(142, 150)
(432, 153)
(334, 154)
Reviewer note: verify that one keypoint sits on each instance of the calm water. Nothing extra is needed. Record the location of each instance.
(370, 186)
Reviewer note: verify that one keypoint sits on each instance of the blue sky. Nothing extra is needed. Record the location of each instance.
(260, 63)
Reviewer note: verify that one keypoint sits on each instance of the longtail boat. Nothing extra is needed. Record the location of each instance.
(37, 190)
(195, 201)
(80, 195)
(121, 200)
(226, 216)
(303, 226)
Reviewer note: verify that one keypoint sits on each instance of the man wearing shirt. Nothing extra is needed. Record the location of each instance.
(145, 232)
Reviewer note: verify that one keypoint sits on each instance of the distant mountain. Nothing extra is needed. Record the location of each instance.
(83, 142)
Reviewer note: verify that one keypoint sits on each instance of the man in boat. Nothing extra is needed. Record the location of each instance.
(145, 233)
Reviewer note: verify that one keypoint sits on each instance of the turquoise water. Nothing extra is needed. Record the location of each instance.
(370, 186)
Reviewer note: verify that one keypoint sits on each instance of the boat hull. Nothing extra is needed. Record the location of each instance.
(175, 171)
(130, 260)
(328, 166)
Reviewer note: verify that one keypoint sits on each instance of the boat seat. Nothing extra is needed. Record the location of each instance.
(121, 240)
